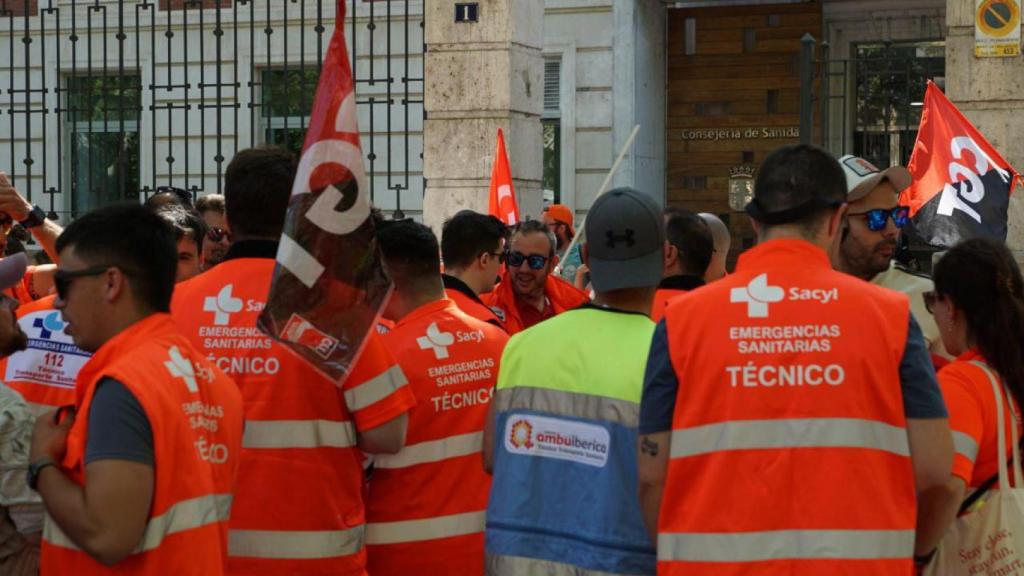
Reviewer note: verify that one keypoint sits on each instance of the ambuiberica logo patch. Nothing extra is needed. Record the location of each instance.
(560, 439)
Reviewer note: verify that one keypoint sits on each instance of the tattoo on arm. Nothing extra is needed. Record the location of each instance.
(648, 446)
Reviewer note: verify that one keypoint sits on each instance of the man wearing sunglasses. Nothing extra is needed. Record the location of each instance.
(528, 292)
(150, 411)
(874, 223)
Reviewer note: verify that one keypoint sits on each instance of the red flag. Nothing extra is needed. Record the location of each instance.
(502, 203)
(329, 285)
(961, 184)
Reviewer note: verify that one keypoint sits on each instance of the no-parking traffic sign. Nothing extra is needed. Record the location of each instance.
(997, 28)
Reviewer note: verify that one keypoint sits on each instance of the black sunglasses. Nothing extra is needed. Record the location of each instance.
(877, 218)
(535, 261)
(216, 234)
(62, 278)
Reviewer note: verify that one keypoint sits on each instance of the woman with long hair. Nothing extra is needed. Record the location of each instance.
(978, 304)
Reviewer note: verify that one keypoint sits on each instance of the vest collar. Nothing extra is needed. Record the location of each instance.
(782, 253)
(681, 282)
(120, 346)
(428, 309)
(970, 354)
(453, 283)
(252, 249)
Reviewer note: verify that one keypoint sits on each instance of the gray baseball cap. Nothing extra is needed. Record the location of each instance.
(625, 241)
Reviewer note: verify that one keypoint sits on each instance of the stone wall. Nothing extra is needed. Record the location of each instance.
(480, 77)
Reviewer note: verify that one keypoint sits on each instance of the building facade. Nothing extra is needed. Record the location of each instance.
(107, 99)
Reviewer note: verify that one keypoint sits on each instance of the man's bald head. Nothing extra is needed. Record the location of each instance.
(722, 239)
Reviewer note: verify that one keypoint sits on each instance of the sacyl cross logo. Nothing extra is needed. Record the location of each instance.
(436, 340)
(223, 305)
(181, 367)
(757, 295)
(48, 324)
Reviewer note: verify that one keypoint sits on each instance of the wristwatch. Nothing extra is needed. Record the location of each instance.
(35, 468)
(35, 218)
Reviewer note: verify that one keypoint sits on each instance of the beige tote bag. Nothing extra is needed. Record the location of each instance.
(989, 540)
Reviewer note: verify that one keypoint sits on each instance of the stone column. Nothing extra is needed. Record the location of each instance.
(990, 92)
(480, 77)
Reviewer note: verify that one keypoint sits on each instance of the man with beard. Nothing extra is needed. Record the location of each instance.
(529, 293)
(868, 244)
(21, 511)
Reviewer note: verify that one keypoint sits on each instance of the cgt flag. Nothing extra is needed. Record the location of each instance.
(328, 286)
(502, 203)
(961, 184)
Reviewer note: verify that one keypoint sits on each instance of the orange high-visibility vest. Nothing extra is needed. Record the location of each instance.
(299, 504)
(44, 373)
(427, 503)
(789, 452)
(561, 294)
(195, 412)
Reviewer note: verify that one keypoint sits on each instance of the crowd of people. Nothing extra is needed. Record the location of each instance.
(526, 405)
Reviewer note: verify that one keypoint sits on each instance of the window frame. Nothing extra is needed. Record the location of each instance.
(565, 50)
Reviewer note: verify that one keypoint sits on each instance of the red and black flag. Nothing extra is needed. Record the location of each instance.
(961, 184)
(329, 285)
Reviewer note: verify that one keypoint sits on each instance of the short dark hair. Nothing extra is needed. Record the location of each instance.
(800, 175)
(210, 203)
(164, 195)
(257, 186)
(467, 235)
(185, 223)
(692, 237)
(410, 252)
(134, 239)
(536, 227)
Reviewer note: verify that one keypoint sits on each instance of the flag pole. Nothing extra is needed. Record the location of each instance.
(601, 190)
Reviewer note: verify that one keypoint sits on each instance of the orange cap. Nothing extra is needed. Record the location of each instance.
(561, 213)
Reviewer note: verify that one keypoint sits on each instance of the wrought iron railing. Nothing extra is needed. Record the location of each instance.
(104, 100)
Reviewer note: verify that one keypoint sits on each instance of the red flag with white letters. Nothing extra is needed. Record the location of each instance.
(502, 203)
(329, 285)
(961, 184)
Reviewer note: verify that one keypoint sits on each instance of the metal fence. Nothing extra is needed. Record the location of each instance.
(104, 100)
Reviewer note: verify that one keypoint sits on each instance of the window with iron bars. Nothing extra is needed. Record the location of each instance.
(101, 123)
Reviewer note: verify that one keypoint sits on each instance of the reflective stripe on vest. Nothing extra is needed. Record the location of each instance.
(965, 445)
(432, 451)
(425, 529)
(185, 515)
(518, 565)
(569, 404)
(298, 434)
(375, 389)
(295, 544)
(789, 433)
(786, 544)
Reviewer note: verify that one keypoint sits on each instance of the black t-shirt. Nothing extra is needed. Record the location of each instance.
(118, 426)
